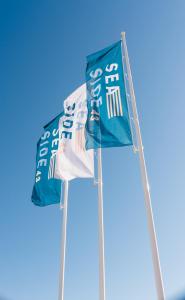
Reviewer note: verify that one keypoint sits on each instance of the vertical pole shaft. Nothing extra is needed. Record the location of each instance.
(63, 243)
(101, 230)
(151, 226)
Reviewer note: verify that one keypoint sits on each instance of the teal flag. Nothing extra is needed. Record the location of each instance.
(47, 189)
(108, 122)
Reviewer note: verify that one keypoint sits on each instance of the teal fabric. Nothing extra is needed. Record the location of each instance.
(46, 191)
(108, 122)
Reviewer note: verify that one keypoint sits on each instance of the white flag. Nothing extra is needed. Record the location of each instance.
(72, 159)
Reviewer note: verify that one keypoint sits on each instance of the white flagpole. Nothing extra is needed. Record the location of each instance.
(63, 243)
(101, 230)
(151, 226)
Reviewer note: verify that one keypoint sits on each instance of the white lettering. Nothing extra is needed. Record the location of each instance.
(97, 102)
(46, 142)
(53, 152)
(42, 163)
(111, 78)
(43, 152)
(95, 92)
(37, 176)
(96, 73)
(110, 68)
(46, 135)
(54, 142)
(55, 131)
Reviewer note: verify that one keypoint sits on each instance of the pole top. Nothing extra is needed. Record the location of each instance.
(123, 34)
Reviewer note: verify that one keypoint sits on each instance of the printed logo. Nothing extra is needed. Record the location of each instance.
(114, 105)
(52, 164)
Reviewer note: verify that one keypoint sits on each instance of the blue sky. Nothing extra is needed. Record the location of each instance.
(43, 45)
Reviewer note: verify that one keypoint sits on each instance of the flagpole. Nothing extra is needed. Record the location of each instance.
(63, 243)
(101, 230)
(150, 219)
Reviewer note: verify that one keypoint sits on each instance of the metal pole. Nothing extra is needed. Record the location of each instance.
(63, 244)
(101, 230)
(151, 226)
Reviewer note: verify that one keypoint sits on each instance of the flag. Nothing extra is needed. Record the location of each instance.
(61, 152)
(47, 189)
(108, 118)
(72, 158)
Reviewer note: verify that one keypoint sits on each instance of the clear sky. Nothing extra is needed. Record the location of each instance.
(43, 45)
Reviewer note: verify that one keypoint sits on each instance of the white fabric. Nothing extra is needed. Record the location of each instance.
(72, 159)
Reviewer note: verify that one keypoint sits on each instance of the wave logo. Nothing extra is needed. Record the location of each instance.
(52, 165)
(114, 104)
